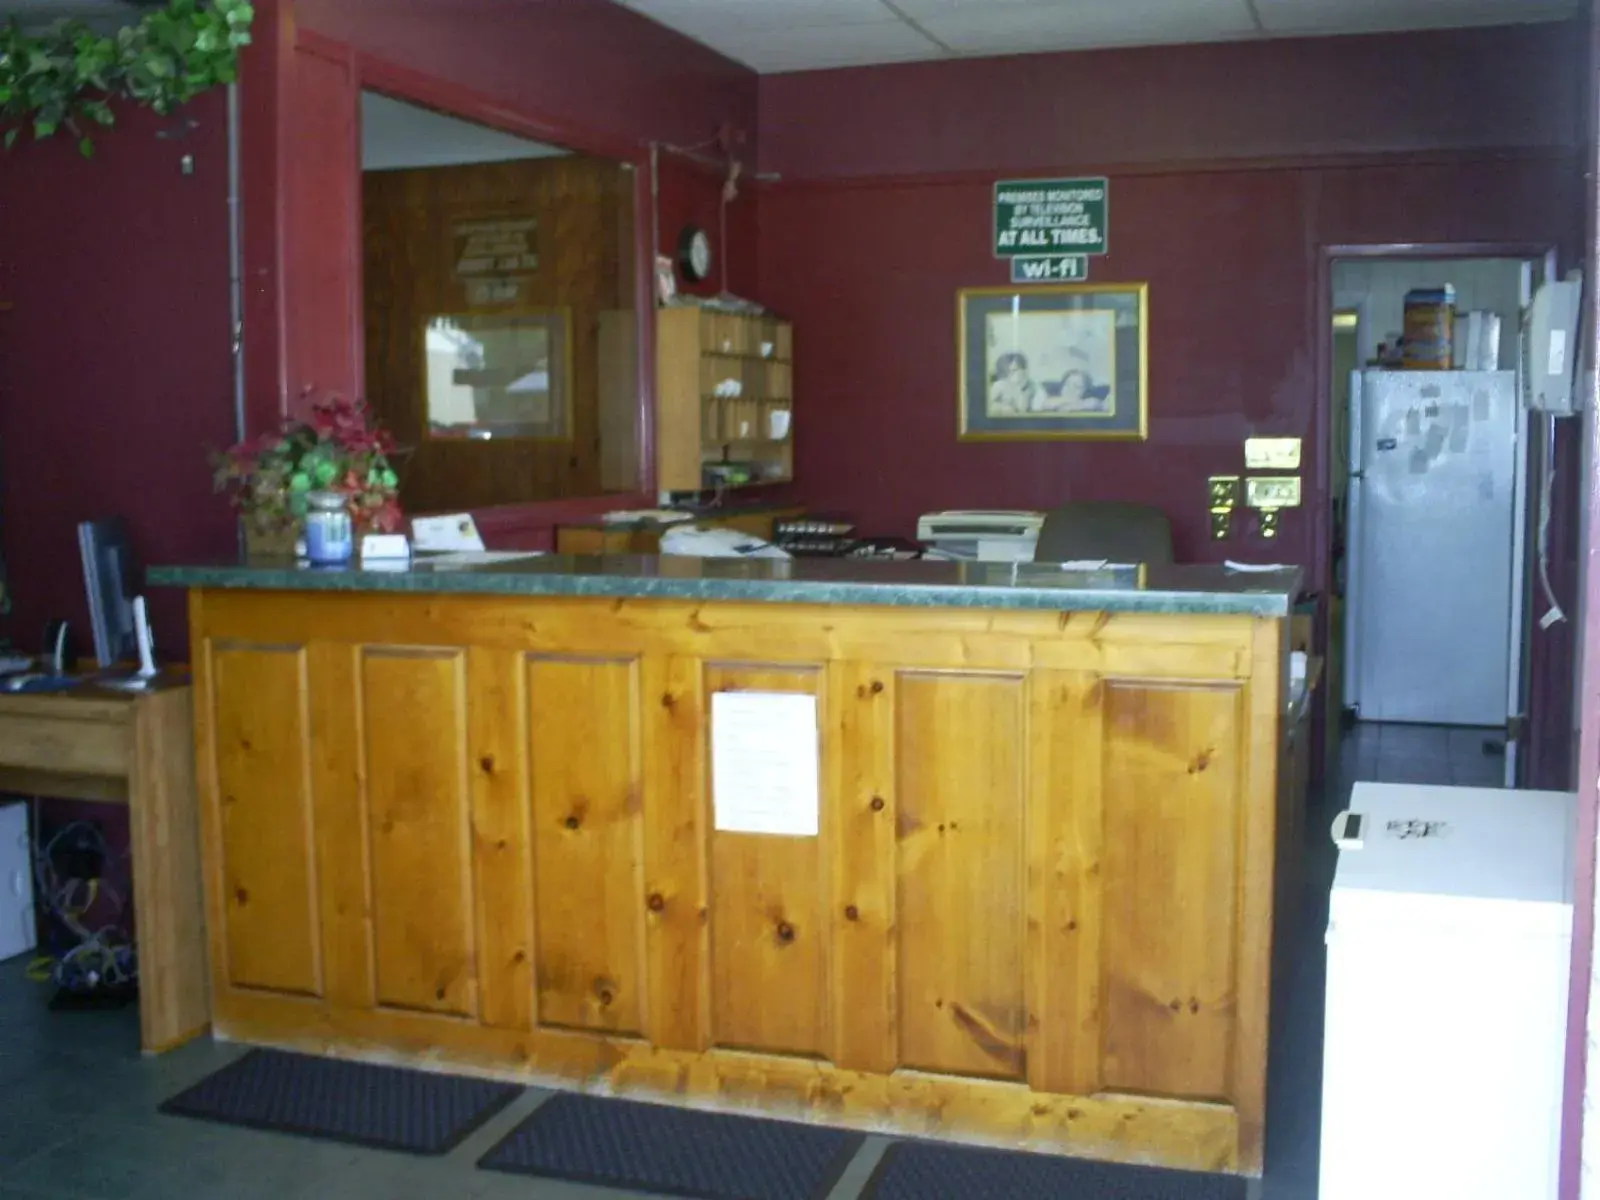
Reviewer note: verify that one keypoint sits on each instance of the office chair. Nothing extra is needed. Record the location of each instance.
(1112, 530)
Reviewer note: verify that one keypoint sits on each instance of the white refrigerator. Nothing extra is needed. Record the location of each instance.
(1437, 483)
(1449, 932)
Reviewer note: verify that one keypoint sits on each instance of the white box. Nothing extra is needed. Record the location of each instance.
(17, 934)
(1449, 932)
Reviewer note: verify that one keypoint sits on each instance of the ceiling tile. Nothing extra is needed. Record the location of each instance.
(800, 49)
(1280, 17)
(1011, 27)
(712, 20)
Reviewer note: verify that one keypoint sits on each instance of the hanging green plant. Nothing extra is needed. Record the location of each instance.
(67, 75)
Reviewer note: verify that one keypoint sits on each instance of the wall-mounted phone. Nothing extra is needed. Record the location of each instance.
(1550, 348)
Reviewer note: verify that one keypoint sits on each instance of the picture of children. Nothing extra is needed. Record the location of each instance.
(1068, 351)
(1012, 393)
(1076, 393)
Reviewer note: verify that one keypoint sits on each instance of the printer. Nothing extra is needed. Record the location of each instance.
(980, 536)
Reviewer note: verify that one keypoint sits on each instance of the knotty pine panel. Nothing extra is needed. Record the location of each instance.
(261, 742)
(1170, 873)
(419, 825)
(769, 937)
(584, 207)
(583, 734)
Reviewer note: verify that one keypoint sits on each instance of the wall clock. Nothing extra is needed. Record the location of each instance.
(694, 254)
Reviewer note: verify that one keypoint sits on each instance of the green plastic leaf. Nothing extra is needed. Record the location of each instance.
(11, 136)
(86, 147)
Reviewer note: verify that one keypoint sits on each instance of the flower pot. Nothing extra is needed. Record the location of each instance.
(274, 543)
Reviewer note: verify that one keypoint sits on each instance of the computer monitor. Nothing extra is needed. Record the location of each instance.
(112, 579)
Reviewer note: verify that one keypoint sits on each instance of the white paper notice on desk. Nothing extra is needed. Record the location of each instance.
(764, 753)
(457, 532)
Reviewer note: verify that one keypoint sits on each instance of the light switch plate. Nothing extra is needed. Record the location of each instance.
(1223, 491)
(1273, 491)
(1272, 454)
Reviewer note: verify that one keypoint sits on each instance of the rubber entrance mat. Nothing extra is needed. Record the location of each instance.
(932, 1171)
(389, 1108)
(674, 1151)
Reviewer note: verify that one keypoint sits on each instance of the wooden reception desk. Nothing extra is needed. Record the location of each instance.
(465, 817)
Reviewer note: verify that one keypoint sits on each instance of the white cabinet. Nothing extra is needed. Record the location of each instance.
(1448, 940)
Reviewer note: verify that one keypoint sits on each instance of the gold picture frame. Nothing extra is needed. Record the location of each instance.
(1064, 362)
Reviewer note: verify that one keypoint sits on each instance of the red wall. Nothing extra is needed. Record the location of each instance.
(116, 376)
(582, 73)
(588, 66)
(1396, 93)
(1226, 231)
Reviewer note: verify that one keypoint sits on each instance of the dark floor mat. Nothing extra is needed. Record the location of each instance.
(389, 1108)
(931, 1171)
(674, 1151)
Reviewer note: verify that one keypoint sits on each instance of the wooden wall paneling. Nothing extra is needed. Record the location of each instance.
(681, 399)
(1260, 733)
(677, 835)
(1173, 791)
(414, 719)
(769, 931)
(1065, 827)
(587, 791)
(960, 745)
(410, 277)
(861, 839)
(618, 432)
(502, 840)
(261, 734)
(344, 859)
(164, 841)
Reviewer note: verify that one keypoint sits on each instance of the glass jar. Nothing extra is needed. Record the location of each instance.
(330, 536)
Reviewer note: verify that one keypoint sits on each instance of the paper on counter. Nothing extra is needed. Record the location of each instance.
(764, 763)
(1257, 568)
(455, 532)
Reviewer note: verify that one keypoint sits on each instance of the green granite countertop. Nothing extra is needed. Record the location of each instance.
(917, 584)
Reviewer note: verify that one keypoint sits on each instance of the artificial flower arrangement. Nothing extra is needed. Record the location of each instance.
(336, 449)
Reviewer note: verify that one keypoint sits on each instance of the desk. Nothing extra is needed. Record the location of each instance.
(135, 751)
(467, 817)
(644, 537)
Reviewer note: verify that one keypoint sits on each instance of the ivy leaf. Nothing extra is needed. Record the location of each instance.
(11, 136)
(86, 147)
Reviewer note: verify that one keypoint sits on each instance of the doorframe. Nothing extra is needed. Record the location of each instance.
(1322, 406)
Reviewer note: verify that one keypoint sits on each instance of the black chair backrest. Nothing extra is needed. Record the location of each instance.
(1112, 530)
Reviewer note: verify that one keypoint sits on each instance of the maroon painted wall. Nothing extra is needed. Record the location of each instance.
(870, 274)
(116, 376)
(885, 213)
(583, 73)
(1397, 93)
(590, 66)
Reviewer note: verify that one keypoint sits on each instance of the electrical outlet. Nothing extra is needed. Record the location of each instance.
(1273, 491)
(1223, 491)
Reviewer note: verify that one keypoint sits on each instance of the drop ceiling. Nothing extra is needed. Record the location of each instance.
(798, 35)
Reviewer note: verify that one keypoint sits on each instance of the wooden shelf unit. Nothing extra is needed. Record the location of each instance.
(699, 421)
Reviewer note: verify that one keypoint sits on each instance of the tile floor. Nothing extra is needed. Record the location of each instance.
(78, 1113)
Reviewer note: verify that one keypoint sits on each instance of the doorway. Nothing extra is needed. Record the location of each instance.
(1428, 510)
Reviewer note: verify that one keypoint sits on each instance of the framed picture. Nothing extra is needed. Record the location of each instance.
(499, 375)
(1067, 361)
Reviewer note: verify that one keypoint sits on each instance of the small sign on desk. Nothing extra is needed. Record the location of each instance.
(764, 754)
